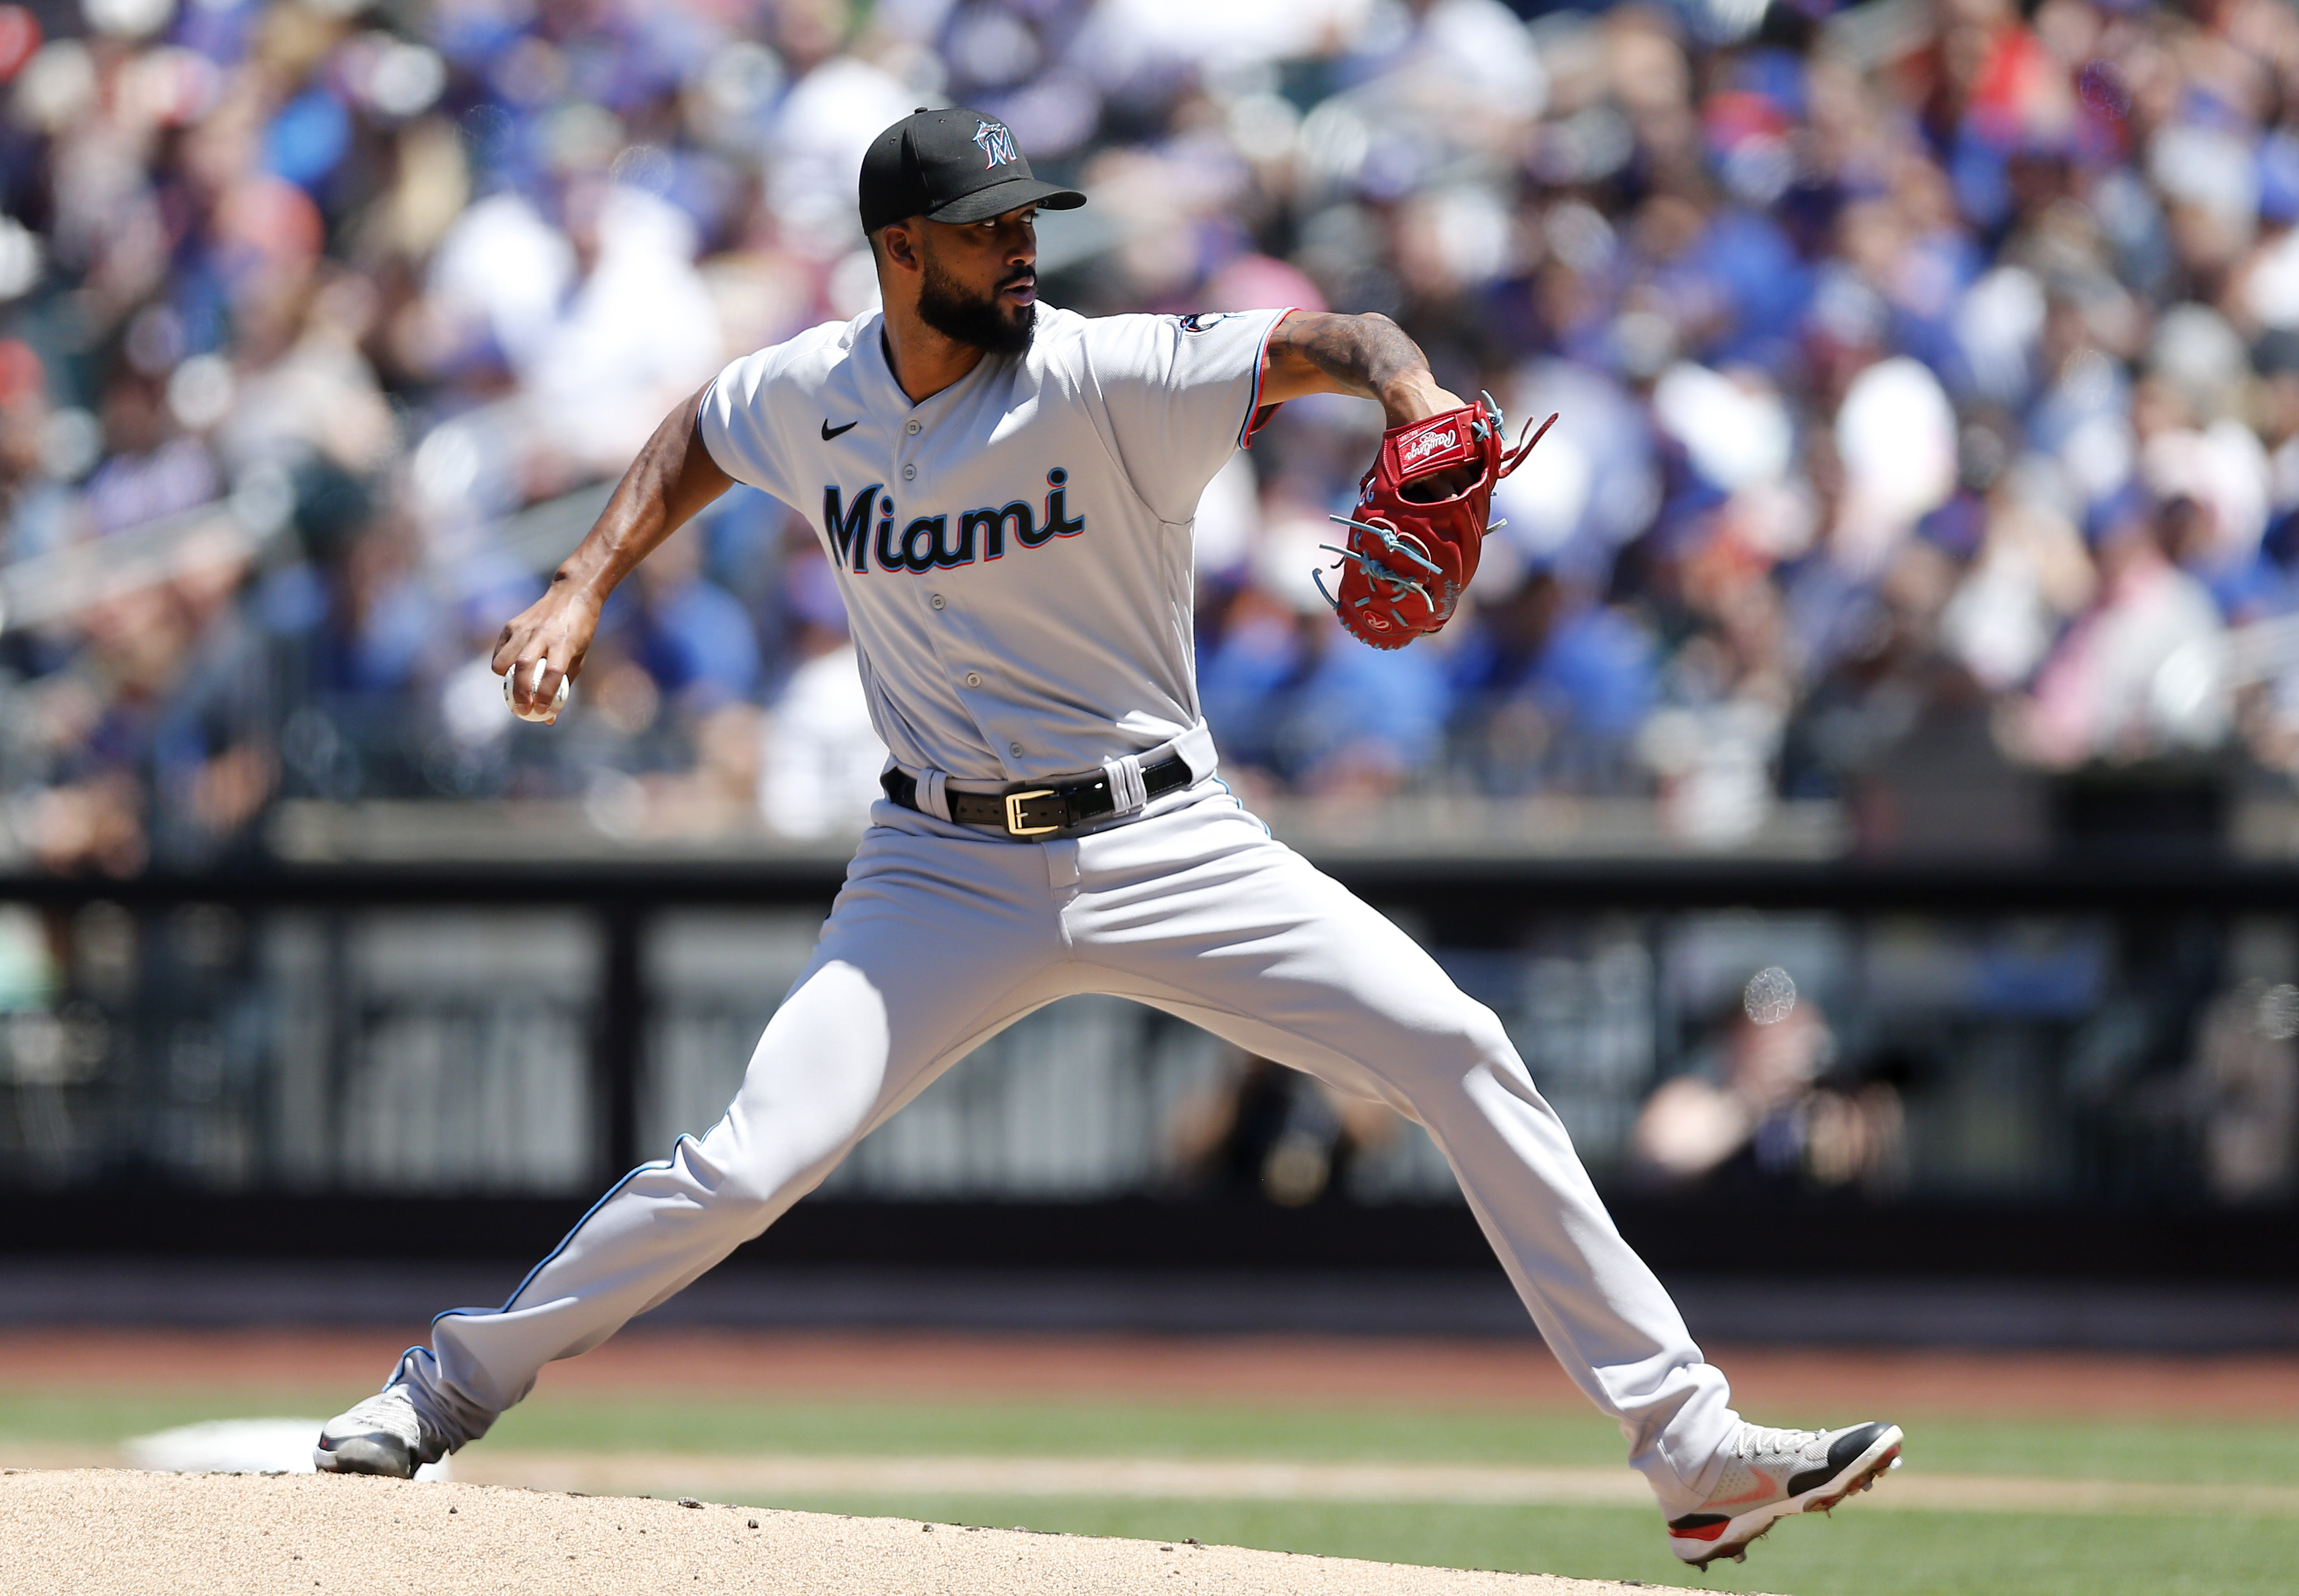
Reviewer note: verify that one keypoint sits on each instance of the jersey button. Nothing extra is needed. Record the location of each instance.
(935, 599)
(912, 429)
(909, 472)
(1014, 749)
(973, 678)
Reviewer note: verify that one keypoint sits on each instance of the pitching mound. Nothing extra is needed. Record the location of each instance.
(118, 1533)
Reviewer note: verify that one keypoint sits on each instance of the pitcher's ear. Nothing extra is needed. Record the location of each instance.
(897, 244)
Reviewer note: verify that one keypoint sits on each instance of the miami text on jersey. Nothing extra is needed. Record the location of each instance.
(926, 543)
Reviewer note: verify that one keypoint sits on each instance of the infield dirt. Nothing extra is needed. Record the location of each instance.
(1315, 1370)
(116, 1532)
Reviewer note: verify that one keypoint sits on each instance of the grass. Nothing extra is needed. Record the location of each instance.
(2197, 1452)
(85, 1416)
(1853, 1554)
(1873, 1553)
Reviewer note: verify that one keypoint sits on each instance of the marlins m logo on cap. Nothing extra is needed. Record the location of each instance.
(996, 143)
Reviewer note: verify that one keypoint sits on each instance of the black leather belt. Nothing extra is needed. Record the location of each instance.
(1041, 808)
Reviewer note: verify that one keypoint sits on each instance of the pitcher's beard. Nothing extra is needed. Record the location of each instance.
(984, 324)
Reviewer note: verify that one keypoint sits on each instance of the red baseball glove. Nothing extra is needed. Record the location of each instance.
(1414, 541)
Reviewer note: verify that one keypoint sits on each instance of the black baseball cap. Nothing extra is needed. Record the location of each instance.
(953, 165)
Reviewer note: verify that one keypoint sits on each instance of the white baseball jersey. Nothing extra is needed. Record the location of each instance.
(1015, 551)
(1016, 554)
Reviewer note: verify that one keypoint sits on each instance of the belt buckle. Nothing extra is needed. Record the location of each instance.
(1014, 802)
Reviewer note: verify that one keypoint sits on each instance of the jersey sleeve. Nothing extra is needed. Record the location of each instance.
(736, 421)
(1181, 394)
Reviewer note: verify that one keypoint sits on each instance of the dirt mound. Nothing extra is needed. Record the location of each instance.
(99, 1532)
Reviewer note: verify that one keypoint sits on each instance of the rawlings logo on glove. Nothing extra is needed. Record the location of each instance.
(1425, 444)
(1408, 556)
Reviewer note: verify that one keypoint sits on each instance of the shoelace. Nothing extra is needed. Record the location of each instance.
(388, 1411)
(1756, 1438)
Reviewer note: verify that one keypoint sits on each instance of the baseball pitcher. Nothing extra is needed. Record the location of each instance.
(1005, 491)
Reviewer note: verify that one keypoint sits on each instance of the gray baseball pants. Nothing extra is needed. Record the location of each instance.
(942, 937)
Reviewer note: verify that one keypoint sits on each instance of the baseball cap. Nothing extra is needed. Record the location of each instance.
(952, 165)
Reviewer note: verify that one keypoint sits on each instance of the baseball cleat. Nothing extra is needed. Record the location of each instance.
(383, 1434)
(1771, 1474)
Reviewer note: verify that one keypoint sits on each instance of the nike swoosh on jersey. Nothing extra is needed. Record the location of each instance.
(830, 431)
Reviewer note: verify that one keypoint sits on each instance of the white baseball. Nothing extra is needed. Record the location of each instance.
(557, 703)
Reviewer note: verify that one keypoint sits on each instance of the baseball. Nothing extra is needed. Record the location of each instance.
(1770, 995)
(540, 717)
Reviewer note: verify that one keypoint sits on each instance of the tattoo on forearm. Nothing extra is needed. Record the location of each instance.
(1361, 352)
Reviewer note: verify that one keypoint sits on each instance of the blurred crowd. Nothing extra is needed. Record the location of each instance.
(1929, 373)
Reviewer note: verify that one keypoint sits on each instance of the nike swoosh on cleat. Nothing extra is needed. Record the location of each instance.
(1765, 1487)
(830, 431)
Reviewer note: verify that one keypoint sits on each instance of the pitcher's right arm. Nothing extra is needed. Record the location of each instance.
(670, 483)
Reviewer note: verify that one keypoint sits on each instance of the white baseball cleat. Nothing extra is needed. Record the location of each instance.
(1771, 1474)
(383, 1434)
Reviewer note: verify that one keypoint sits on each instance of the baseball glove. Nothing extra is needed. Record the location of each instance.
(1412, 542)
